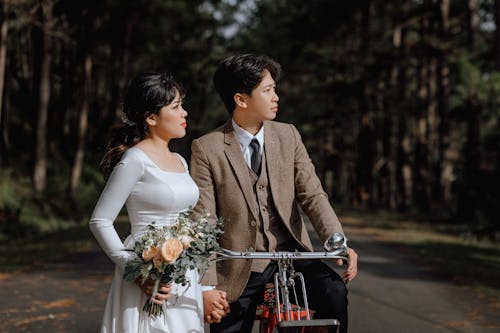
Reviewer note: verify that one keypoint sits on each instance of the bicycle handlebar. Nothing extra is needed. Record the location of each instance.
(228, 254)
(335, 246)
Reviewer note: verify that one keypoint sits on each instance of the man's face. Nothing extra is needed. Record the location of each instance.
(262, 104)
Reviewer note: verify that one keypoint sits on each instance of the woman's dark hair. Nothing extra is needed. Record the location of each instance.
(241, 74)
(146, 94)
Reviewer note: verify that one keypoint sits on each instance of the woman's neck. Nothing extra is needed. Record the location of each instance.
(155, 143)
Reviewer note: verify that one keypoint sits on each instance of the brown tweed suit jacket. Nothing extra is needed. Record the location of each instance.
(220, 171)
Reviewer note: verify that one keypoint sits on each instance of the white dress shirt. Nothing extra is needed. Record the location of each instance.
(245, 137)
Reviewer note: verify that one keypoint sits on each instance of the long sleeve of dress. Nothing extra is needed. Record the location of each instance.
(118, 187)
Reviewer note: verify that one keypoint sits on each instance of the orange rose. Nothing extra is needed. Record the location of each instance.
(157, 260)
(170, 250)
(147, 255)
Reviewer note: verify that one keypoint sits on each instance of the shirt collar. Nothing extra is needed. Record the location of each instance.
(244, 137)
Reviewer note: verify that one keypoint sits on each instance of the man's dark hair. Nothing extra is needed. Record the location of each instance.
(241, 74)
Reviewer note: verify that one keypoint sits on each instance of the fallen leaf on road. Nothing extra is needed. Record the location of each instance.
(62, 303)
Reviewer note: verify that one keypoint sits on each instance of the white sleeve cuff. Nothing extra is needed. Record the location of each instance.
(207, 288)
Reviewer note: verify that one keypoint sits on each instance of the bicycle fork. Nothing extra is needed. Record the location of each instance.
(282, 282)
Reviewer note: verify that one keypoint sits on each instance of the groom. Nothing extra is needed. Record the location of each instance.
(256, 173)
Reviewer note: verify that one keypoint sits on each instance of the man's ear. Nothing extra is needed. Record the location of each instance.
(240, 100)
(151, 120)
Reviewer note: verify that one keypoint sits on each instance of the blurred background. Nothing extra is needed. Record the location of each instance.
(397, 101)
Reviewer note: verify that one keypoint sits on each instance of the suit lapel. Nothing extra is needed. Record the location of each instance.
(271, 149)
(233, 153)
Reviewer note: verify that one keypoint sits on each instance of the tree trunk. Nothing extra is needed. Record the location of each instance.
(443, 166)
(382, 167)
(363, 195)
(472, 22)
(3, 59)
(497, 34)
(433, 121)
(82, 128)
(421, 168)
(365, 26)
(365, 143)
(402, 168)
(472, 159)
(40, 168)
(119, 74)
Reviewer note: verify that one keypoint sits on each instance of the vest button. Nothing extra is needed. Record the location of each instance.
(253, 223)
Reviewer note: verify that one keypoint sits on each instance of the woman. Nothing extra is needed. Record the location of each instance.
(154, 184)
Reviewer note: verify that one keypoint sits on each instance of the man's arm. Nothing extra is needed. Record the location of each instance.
(215, 305)
(310, 194)
(314, 201)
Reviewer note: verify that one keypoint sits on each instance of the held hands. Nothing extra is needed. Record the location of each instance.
(163, 290)
(352, 266)
(215, 306)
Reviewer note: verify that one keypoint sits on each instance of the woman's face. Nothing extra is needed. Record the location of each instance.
(170, 122)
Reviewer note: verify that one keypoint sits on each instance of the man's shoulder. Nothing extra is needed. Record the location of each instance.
(213, 136)
(281, 128)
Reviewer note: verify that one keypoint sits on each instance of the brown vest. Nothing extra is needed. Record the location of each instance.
(271, 234)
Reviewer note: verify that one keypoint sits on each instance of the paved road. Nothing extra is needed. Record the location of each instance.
(392, 293)
(395, 292)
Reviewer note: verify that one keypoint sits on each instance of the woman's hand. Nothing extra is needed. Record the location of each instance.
(163, 290)
(215, 306)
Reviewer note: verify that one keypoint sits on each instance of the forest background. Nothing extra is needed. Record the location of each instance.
(398, 101)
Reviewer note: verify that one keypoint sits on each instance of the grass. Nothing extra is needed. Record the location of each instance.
(445, 245)
(19, 253)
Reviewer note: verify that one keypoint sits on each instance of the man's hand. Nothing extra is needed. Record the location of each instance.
(215, 306)
(352, 267)
(163, 290)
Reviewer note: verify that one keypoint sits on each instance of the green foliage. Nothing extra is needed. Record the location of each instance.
(12, 202)
(345, 65)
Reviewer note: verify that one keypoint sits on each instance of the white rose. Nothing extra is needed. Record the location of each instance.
(186, 240)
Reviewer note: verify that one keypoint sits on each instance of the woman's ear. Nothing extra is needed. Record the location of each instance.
(240, 100)
(151, 120)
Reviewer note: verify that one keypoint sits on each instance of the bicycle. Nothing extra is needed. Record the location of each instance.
(283, 315)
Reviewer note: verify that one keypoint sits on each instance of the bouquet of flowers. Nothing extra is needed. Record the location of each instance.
(166, 253)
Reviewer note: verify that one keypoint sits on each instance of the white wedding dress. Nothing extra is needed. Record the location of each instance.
(150, 194)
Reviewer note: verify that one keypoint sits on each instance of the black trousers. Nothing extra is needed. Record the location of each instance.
(326, 293)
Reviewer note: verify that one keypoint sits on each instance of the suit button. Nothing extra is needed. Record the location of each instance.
(261, 187)
(264, 209)
(253, 223)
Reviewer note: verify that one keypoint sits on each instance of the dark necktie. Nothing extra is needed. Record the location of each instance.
(256, 158)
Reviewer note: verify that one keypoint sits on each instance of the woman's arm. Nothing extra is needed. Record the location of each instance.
(118, 187)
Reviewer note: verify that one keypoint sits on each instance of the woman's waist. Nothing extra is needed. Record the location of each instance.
(141, 225)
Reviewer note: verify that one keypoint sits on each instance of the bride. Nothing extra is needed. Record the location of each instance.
(154, 184)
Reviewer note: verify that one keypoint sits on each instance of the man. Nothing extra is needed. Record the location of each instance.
(256, 173)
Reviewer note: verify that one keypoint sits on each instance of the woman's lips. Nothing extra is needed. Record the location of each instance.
(184, 125)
